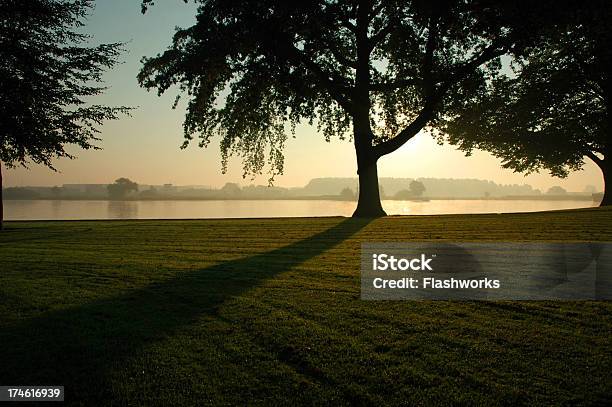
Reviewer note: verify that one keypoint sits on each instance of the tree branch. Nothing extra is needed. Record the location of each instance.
(380, 35)
(410, 131)
(434, 96)
(387, 29)
(431, 97)
(428, 61)
(594, 157)
(332, 86)
(342, 60)
(376, 10)
(347, 24)
(492, 51)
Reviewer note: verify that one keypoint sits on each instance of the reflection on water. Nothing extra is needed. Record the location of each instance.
(122, 210)
(57, 209)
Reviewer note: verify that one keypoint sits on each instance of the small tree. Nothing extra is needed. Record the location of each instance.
(231, 190)
(46, 76)
(417, 188)
(556, 190)
(121, 188)
(347, 194)
(56, 191)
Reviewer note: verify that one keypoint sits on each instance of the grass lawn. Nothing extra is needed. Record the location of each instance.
(267, 311)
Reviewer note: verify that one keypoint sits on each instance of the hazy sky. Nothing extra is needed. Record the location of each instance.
(145, 147)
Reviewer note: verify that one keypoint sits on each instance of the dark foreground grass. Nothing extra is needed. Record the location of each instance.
(268, 312)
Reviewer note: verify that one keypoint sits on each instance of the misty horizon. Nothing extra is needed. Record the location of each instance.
(329, 186)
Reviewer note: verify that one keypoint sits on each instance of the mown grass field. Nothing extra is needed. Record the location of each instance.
(267, 311)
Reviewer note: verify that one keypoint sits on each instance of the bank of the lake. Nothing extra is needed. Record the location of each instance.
(203, 209)
(267, 311)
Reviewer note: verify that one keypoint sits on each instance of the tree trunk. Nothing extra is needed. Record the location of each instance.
(368, 205)
(606, 170)
(1, 202)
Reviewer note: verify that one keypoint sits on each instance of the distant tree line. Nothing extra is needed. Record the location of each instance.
(320, 188)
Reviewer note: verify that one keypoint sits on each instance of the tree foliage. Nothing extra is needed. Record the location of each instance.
(417, 188)
(121, 188)
(347, 194)
(556, 190)
(553, 109)
(48, 75)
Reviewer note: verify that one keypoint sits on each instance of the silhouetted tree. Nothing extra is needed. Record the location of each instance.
(47, 76)
(121, 188)
(56, 191)
(377, 71)
(231, 190)
(347, 194)
(556, 190)
(556, 109)
(417, 188)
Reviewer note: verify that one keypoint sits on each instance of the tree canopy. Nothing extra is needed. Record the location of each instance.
(121, 188)
(48, 74)
(376, 72)
(553, 110)
(556, 190)
(417, 188)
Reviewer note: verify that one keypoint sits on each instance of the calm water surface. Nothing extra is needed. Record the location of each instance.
(56, 210)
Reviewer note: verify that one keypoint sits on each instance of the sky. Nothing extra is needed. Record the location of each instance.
(145, 146)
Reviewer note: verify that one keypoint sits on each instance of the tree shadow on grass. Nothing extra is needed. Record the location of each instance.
(78, 346)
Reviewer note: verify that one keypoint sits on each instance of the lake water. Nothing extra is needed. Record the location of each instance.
(57, 209)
